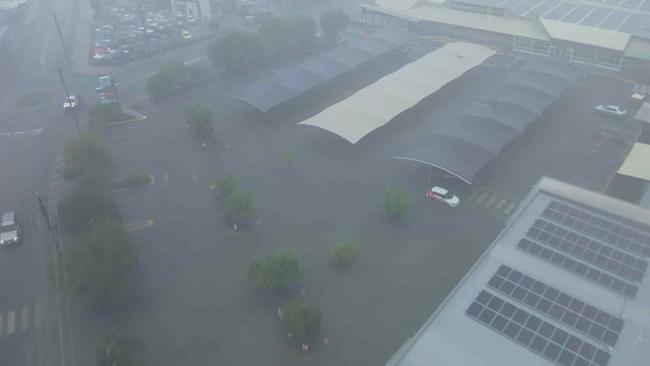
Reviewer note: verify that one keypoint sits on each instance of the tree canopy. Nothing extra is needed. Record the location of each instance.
(343, 253)
(333, 22)
(275, 271)
(199, 118)
(301, 319)
(83, 155)
(234, 50)
(100, 263)
(172, 75)
(239, 207)
(301, 30)
(396, 202)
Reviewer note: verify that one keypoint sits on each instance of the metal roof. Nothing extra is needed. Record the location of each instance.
(517, 305)
(494, 121)
(292, 82)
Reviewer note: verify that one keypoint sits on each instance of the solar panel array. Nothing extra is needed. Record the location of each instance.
(630, 16)
(560, 306)
(537, 335)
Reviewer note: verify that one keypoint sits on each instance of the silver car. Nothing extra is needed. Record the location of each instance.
(611, 110)
(10, 232)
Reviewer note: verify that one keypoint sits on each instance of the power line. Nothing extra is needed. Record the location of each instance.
(65, 50)
(67, 95)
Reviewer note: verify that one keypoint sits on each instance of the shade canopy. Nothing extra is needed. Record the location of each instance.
(476, 135)
(378, 103)
(637, 162)
(292, 82)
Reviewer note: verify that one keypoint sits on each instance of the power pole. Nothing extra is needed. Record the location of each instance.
(49, 224)
(67, 96)
(65, 50)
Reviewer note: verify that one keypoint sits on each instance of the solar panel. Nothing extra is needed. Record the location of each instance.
(588, 250)
(537, 335)
(598, 227)
(547, 300)
(588, 272)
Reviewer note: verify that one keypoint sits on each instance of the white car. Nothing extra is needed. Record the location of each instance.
(10, 232)
(611, 110)
(71, 102)
(443, 195)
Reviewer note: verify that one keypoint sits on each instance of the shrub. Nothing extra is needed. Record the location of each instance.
(275, 271)
(343, 253)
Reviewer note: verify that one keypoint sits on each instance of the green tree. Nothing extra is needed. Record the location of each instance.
(333, 22)
(343, 253)
(118, 350)
(226, 186)
(396, 202)
(88, 202)
(100, 263)
(301, 319)
(235, 50)
(169, 76)
(199, 118)
(83, 155)
(275, 271)
(274, 34)
(239, 208)
(301, 30)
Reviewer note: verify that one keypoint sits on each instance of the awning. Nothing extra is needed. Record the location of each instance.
(637, 162)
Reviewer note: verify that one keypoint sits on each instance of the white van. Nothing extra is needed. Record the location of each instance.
(9, 230)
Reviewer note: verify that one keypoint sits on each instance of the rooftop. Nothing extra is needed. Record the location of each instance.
(563, 284)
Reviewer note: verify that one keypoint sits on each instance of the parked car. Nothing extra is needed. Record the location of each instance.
(186, 35)
(10, 232)
(71, 102)
(611, 110)
(443, 195)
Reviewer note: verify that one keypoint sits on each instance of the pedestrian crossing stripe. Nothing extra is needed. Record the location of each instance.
(494, 202)
(20, 320)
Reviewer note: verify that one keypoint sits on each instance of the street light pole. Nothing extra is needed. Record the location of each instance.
(65, 50)
(49, 224)
(67, 95)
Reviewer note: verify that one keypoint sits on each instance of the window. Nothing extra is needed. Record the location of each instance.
(532, 46)
(592, 56)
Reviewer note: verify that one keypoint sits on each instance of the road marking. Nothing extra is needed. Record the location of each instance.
(153, 179)
(195, 60)
(510, 208)
(194, 179)
(481, 198)
(139, 225)
(37, 315)
(491, 200)
(24, 318)
(0, 325)
(166, 178)
(500, 204)
(42, 61)
(11, 322)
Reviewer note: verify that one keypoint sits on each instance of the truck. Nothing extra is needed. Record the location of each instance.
(106, 91)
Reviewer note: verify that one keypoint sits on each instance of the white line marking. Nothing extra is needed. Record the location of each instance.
(510, 208)
(195, 60)
(491, 200)
(481, 198)
(568, 12)
(47, 34)
(500, 204)
(0, 325)
(11, 322)
(194, 177)
(623, 21)
(38, 319)
(586, 15)
(551, 9)
(604, 18)
(24, 318)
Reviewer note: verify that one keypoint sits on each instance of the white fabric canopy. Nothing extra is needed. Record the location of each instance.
(378, 103)
(637, 162)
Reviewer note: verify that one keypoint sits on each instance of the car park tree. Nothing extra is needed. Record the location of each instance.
(102, 114)
(333, 22)
(234, 51)
(239, 208)
(169, 76)
(275, 271)
(100, 263)
(396, 202)
(83, 155)
(274, 34)
(199, 118)
(302, 320)
(343, 253)
(85, 204)
(226, 186)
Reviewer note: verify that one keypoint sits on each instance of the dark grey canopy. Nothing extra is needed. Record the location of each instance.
(476, 135)
(289, 83)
